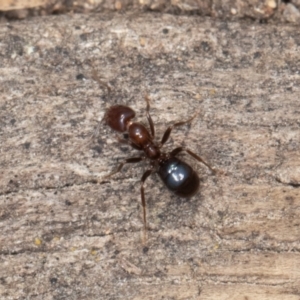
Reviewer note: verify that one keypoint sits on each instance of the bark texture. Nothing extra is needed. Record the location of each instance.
(63, 236)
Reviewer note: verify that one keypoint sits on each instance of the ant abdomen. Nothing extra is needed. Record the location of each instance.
(118, 116)
(179, 177)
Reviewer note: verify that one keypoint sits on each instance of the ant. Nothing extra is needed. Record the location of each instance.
(177, 175)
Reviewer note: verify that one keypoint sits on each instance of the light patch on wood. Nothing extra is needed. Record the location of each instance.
(21, 4)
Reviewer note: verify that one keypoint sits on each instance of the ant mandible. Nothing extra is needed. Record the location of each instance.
(177, 175)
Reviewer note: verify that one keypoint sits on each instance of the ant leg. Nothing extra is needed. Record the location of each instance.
(170, 128)
(144, 177)
(126, 161)
(194, 155)
(149, 117)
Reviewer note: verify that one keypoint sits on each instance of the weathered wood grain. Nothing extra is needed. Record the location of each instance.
(274, 11)
(65, 237)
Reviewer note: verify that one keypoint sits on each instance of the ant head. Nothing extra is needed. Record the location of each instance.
(118, 116)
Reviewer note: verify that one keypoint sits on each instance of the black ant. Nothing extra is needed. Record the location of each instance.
(177, 175)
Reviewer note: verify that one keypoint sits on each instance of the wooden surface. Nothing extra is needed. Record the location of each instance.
(271, 11)
(63, 236)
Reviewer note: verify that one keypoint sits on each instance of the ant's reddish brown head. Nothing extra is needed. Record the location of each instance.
(118, 116)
